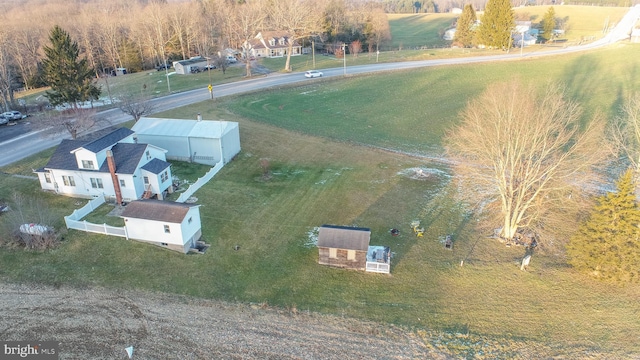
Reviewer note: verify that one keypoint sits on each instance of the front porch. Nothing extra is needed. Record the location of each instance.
(378, 259)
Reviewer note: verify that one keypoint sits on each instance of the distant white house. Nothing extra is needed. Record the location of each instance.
(175, 226)
(200, 141)
(82, 168)
(272, 44)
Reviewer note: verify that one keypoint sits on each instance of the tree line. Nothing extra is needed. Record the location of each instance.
(142, 34)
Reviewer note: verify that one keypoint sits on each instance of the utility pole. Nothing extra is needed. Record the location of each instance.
(344, 57)
(313, 52)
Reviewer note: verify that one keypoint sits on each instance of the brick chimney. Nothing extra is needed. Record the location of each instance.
(114, 178)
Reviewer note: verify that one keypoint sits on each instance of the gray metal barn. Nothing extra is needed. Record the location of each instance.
(200, 141)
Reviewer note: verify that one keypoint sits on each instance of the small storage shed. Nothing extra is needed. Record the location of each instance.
(343, 246)
(200, 141)
(175, 226)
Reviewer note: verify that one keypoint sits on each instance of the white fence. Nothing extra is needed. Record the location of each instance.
(200, 182)
(96, 228)
(72, 221)
(83, 211)
(378, 267)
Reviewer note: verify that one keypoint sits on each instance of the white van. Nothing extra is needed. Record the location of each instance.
(231, 59)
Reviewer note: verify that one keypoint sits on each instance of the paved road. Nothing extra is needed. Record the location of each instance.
(29, 143)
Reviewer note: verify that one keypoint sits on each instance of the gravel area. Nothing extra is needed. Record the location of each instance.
(99, 324)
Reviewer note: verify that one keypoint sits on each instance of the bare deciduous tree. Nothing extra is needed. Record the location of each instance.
(298, 18)
(136, 106)
(31, 223)
(626, 131)
(519, 155)
(246, 20)
(76, 121)
(355, 48)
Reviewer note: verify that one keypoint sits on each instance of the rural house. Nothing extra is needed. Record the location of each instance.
(113, 165)
(272, 44)
(175, 226)
(199, 141)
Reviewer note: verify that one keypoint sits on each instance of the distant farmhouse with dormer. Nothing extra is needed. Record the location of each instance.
(272, 44)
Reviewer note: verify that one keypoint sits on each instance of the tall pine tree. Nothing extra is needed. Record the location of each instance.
(548, 24)
(464, 28)
(497, 24)
(70, 78)
(607, 246)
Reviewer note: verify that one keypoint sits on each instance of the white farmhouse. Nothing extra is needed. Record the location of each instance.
(201, 141)
(175, 226)
(114, 166)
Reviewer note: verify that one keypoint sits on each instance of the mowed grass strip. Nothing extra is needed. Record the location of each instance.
(412, 110)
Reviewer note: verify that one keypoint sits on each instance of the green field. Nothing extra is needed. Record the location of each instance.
(323, 142)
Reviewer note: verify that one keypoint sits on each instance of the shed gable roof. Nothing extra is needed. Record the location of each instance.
(157, 210)
(344, 237)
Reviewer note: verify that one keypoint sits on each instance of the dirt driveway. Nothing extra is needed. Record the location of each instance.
(100, 324)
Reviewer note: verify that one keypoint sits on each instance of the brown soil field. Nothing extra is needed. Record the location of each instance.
(100, 324)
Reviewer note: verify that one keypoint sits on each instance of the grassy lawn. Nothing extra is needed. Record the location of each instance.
(321, 174)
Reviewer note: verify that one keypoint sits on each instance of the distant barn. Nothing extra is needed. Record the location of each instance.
(348, 247)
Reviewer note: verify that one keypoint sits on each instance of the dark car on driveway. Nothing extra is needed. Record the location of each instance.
(163, 67)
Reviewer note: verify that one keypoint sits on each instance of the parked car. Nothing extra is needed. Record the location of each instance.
(231, 59)
(12, 115)
(3, 120)
(209, 67)
(163, 67)
(195, 69)
(313, 73)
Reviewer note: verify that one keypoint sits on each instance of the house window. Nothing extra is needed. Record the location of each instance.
(87, 164)
(167, 230)
(164, 176)
(282, 41)
(68, 180)
(47, 178)
(148, 155)
(272, 42)
(122, 183)
(96, 183)
(333, 253)
(351, 254)
(146, 180)
(189, 221)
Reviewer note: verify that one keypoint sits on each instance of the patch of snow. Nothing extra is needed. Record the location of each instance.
(421, 173)
(312, 238)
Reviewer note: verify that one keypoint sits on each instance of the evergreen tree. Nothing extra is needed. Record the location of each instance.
(607, 246)
(464, 28)
(497, 23)
(71, 79)
(548, 24)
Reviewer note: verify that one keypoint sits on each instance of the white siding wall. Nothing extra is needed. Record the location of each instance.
(43, 182)
(87, 155)
(191, 228)
(150, 230)
(231, 142)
